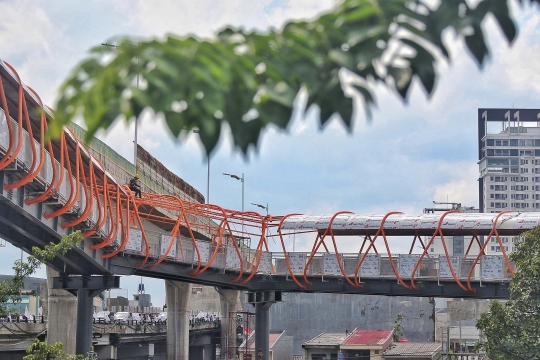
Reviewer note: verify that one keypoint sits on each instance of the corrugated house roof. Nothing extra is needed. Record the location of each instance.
(272, 338)
(413, 350)
(326, 339)
(368, 337)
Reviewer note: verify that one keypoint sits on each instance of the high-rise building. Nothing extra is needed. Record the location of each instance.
(509, 161)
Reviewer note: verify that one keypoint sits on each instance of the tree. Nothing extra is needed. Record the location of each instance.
(512, 329)
(10, 289)
(40, 350)
(249, 80)
(398, 327)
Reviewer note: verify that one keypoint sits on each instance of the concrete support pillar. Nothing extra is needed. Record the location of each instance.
(178, 305)
(230, 302)
(85, 308)
(262, 330)
(61, 318)
(263, 300)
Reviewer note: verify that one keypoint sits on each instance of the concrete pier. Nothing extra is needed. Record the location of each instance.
(62, 315)
(178, 304)
(230, 303)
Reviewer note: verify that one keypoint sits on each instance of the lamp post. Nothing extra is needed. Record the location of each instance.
(196, 131)
(262, 207)
(136, 118)
(242, 180)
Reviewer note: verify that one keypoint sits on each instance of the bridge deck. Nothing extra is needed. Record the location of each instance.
(50, 189)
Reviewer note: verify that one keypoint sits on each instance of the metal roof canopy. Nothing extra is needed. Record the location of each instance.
(456, 223)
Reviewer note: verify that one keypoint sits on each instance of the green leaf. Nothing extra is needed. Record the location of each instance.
(477, 44)
(227, 70)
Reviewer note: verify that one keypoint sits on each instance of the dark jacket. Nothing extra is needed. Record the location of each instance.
(134, 183)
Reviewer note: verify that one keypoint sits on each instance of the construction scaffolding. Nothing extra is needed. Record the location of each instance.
(241, 328)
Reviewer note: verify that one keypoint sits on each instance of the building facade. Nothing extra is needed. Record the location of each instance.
(509, 164)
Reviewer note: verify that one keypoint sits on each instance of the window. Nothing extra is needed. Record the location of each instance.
(318, 357)
(513, 142)
(522, 129)
(491, 152)
(493, 248)
(514, 152)
(432, 249)
(490, 142)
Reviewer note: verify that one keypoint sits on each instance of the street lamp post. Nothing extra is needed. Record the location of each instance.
(242, 180)
(136, 118)
(262, 207)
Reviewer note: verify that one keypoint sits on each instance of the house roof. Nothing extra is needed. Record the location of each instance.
(413, 350)
(368, 337)
(326, 339)
(273, 337)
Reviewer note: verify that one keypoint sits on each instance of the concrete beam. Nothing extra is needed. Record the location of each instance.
(95, 283)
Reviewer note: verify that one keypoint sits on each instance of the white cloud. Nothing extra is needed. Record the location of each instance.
(460, 186)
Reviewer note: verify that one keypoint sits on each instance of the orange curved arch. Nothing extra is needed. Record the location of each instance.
(372, 244)
(483, 248)
(285, 250)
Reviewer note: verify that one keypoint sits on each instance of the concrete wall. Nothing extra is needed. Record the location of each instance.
(205, 298)
(283, 348)
(305, 316)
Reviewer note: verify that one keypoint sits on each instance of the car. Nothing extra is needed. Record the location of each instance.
(121, 317)
(103, 317)
(162, 317)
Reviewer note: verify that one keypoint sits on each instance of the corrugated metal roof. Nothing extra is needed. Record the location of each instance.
(326, 339)
(273, 337)
(368, 337)
(413, 350)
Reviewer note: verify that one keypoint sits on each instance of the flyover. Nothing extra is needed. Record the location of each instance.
(51, 188)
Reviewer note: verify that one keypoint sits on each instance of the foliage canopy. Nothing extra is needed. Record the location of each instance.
(11, 289)
(250, 79)
(512, 329)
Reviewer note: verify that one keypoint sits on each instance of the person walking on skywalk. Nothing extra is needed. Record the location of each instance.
(135, 185)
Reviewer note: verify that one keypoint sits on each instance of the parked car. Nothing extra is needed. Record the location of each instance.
(103, 317)
(121, 317)
(162, 317)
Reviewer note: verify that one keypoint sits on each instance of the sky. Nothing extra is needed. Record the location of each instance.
(407, 156)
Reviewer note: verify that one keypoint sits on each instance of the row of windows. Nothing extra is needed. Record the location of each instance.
(503, 239)
(513, 170)
(498, 248)
(513, 142)
(514, 178)
(517, 205)
(511, 152)
(514, 187)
